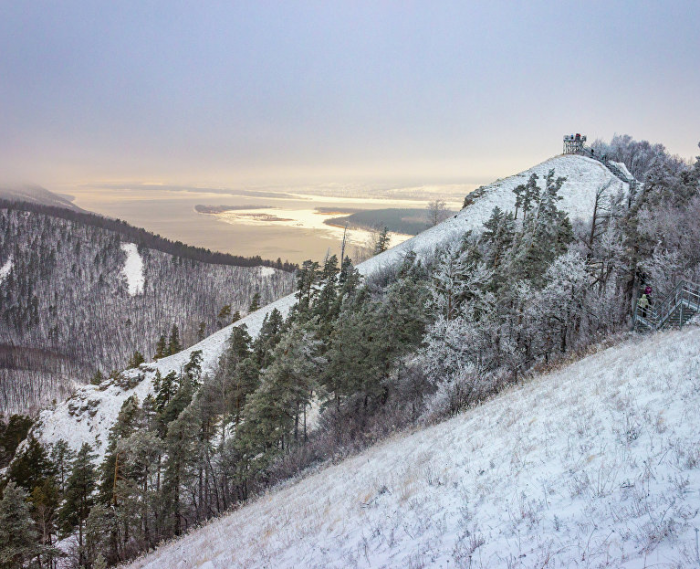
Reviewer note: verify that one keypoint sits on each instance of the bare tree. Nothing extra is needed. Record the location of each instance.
(437, 212)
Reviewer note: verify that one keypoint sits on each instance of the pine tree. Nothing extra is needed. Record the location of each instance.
(19, 539)
(174, 344)
(224, 316)
(136, 360)
(382, 243)
(45, 500)
(201, 331)
(274, 417)
(32, 466)
(111, 468)
(161, 348)
(79, 496)
(181, 451)
(62, 457)
(254, 303)
(268, 337)
(306, 289)
(193, 368)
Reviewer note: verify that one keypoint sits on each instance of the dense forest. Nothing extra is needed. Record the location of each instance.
(66, 312)
(145, 238)
(357, 359)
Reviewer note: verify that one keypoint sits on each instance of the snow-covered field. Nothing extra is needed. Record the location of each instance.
(594, 465)
(89, 415)
(133, 269)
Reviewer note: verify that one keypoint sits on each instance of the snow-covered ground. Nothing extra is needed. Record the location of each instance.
(623, 168)
(89, 415)
(5, 269)
(133, 269)
(594, 465)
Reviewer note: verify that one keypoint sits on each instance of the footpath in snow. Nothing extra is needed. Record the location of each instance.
(92, 411)
(595, 465)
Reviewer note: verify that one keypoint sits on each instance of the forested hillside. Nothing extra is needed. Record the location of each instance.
(535, 271)
(71, 306)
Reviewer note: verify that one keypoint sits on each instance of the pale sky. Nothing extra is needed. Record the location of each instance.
(251, 93)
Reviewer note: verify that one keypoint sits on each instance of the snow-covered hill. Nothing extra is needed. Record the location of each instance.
(594, 465)
(76, 297)
(88, 416)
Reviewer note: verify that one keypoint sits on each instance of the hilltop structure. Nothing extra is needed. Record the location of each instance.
(574, 144)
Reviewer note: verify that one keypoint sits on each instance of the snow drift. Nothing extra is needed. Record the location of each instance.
(595, 465)
(90, 413)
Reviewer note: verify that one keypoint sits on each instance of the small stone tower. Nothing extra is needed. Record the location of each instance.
(573, 143)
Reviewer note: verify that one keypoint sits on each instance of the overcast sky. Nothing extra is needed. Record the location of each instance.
(251, 93)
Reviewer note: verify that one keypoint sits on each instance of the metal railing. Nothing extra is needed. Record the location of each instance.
(681, 304)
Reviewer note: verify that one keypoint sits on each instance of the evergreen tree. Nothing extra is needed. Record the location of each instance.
(181, 450)
(224, 315)
(31, 467)
(201, 331)
(11, 435)
(161, 348)
(45, 500)
(165, 388)
(306, 289)
(112, 466)
(254, 303)
(62, 457)
(19, 539)
(268, 337)
(136, 360)
(193, 368)
(97, 378)
(174, 344)
(274, 416)
(382, 243)
(79, 496)
(325, 305)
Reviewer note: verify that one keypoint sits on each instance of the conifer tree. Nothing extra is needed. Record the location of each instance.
(112, 466)
(161, 348)
(79, 496)
(62, 457)
(32, 466)
(174, 344)
(382, 243)
(268, 338)
(45, 501)
(254, 303)
(19, 539)
(136, 360)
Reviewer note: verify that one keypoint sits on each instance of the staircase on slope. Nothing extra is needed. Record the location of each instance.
(675, 310)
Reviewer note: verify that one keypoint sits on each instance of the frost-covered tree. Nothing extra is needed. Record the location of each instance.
(19, 539)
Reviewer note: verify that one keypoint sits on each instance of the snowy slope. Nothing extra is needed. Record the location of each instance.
(595, 465)
(5, 269)
(133, 269)
(89, 415)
